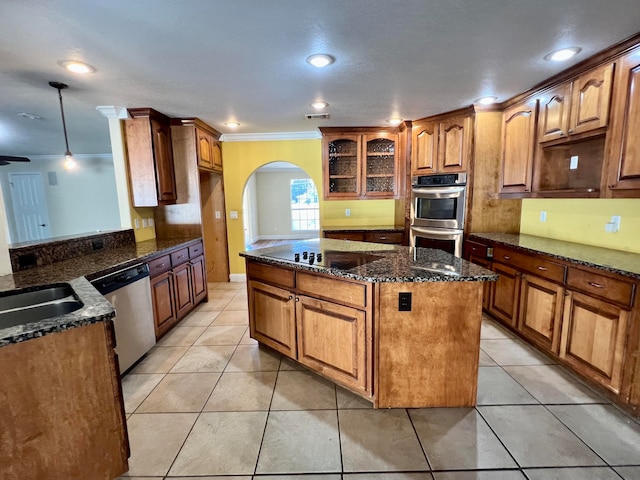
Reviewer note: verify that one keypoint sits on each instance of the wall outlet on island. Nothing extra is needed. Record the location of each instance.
(347, 212)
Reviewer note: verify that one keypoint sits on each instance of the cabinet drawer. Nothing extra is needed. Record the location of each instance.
(354, 236)
(537, 266)
(383, 237)
(332, 289)
(195, 250)
(607, 288)
(180, 256)
(269, 274)
(474, 248)
(159, 265)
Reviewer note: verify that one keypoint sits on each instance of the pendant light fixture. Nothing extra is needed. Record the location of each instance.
(69, 162)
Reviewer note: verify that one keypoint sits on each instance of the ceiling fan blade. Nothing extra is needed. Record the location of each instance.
(5, 159)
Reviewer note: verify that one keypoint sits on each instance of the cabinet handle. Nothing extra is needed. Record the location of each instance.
(297, 299)
(506, 257)
(180, 256)
(161, 265)
(473, 249)
(290, 297)
(383, 238)
(596, 285)
(544, 269)
(612, 185)
(526, 189)
(570, 130)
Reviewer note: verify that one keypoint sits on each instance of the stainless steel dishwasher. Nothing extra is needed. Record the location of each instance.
(129, 291)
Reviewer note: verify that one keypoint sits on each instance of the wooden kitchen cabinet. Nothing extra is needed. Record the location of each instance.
(63, 410)
(518, 147)
(319, 321)
(150, 158)
(391, 237)
(503, 303)
(208, 146)
(178, 283)
(540, 311)
(273, 317)
(624, 163)
(360, 163)
(554, 113)
(442, 145)
(593, 339)
(332, 340)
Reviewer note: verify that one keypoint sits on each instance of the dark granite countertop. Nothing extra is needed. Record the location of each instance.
(374, 262)
(78, 272)
(359, 228)
(623, 263)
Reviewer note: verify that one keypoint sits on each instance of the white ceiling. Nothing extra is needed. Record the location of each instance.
(245, 59)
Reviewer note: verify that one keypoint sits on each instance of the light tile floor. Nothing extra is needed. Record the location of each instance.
(208, 403)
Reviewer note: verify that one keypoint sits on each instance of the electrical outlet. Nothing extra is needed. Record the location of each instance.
(144, 223)
(347, 212)
(614, 225)
(543, 216)
(573, 162)
(136, 223)
(233, 214)
(150, 222)
(218, 215)
(404, 301)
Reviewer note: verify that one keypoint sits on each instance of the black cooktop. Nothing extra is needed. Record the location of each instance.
(326, 258)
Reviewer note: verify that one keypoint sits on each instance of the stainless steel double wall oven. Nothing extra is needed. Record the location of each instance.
(437, 211)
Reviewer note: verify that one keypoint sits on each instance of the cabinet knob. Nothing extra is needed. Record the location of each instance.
(297, 299)
(570, 130)
(612, 185)
(526, 189)
(596, 285)
(290, 297)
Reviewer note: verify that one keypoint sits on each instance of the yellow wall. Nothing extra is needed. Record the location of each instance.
(583, 221)
(241, 159)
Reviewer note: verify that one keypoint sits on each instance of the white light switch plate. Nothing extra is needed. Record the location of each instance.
(543, 216)
(233, 214)
(218, 215)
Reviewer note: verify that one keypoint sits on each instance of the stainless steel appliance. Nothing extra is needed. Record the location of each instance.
(437, 211)
(129, 292)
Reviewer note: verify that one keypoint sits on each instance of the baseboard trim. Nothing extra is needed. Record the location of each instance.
(238, 277)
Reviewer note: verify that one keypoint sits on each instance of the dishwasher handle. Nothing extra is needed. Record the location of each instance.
(117, 280)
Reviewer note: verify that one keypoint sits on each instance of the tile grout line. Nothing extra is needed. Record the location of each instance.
(415, 431)
(499, 439)
(335, 392)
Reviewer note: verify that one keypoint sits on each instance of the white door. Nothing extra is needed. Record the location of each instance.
(29, 206)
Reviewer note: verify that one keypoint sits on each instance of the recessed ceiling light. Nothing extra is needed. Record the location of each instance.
(30, 116)
(395, 121)
(562, 54)
(486, 100)
(77, 67)
(319, 105)
(232, 124)
(320, 60)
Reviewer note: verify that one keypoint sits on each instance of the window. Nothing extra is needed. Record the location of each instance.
(305, 211)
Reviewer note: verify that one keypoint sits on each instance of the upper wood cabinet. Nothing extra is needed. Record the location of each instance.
(576, 107)
(518, 147)
(209, 151)
(150, 158)
(624, 164)
(360, 164)
(441, 145)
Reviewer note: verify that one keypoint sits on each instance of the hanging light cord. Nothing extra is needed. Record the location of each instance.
(59, 87)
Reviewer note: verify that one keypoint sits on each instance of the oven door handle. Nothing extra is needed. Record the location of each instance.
(446, 192)
(445, 233)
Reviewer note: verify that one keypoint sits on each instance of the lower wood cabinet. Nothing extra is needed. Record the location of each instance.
(586, 318)
(178, 284)
(593, 339)
(540, 312)
(503, 301)
(273, 317)
(326, 334)
(392, 237)
(331, 340)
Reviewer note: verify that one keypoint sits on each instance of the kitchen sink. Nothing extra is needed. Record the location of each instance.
(21, 307)
(22, 298)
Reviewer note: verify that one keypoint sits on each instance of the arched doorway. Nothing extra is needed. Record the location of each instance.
(280, 204)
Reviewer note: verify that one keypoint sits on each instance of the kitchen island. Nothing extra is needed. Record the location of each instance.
(398, 326)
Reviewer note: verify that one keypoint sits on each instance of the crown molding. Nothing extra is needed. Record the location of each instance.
(267, 137)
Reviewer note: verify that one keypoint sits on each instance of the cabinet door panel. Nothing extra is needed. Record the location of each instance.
(624, 170)
(198, 278)
(162, 297)
(554, 113)
(453, 146)
(518, 137)
(540, 312)
(593, 336)
(272, 317)
(331, 340)
(379, 165)
(342, 166)
(216, 155)
(204, 149)
(504, 294)
(165, 176)
(425, 148)
(591, 100)
(183, 289)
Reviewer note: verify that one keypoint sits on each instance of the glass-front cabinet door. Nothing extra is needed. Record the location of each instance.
(342, 166)
(379, 168)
